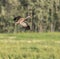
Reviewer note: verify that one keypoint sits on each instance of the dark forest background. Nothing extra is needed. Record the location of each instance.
(45, 15)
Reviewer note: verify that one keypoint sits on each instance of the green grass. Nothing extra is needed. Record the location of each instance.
(32, 36)
(30, 46)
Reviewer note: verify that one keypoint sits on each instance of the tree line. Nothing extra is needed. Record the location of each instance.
(45, 15)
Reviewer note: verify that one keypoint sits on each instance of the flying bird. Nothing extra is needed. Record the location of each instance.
(21, 21)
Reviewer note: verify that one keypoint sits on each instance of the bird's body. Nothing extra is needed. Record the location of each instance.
(21, 21)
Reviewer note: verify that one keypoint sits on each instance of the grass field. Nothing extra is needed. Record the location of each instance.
(30, 46)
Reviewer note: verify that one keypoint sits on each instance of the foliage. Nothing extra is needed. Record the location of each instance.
(45, 14)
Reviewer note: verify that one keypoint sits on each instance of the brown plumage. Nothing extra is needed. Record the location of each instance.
(21, 21)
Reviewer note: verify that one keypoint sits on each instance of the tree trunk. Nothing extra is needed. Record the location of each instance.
(40, 28)
(52, 27)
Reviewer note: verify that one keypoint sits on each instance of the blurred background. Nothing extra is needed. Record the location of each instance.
(45, 15)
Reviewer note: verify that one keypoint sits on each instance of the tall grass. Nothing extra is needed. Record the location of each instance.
(30, 46)
(29, 50)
